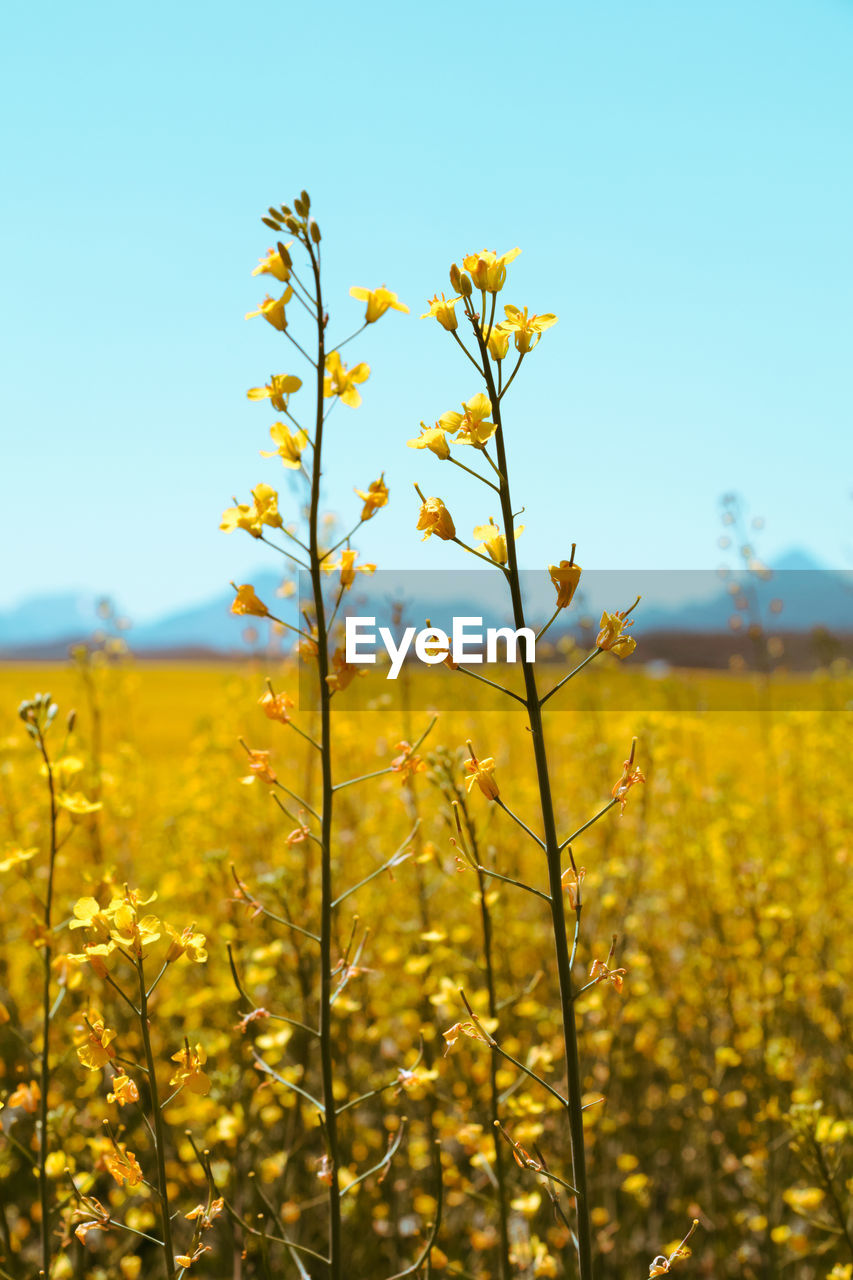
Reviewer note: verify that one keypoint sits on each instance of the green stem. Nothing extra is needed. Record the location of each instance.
(44, 1193)
(330, 1107)
(552, 852)
(157, 1124)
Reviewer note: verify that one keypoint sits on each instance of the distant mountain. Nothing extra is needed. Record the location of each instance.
(677, 601)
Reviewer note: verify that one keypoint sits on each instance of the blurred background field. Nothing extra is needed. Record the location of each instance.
(724, 1065)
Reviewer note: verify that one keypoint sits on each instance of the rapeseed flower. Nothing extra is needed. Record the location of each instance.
(374, 497)
(436, 519)
(340, 381)
(473, 425)
(444, 311)
(289, 445)
(378, 301)
(565, 577)
(527, 329)
(278, 390)
(487, 270)
(274, 265)
(272, 310)
(432, 438)
(246, 602)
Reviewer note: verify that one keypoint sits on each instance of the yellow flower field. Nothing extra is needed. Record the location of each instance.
(726, 882)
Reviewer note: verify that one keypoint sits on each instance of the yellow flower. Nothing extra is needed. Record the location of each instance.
(259, 764)
(630, 778)
(492, 541)
(481, 771)
(77, 805)
(340, 381)
(487, 270)
(96, 1050)
(444, 310)
(565, 577)
(131, 932)
(528, 329)
(612, 634)
(276, 706)
(278, 390)
(432, 438)
(344, 672)
(14, 855)
(348, 568)
(246, 601)
(378, 301)
(273, 265)
(435, 518)
(375, 497)
(473, 425)
(498, 343)
(263, 511)
(272, 309)
(123, 1165)
(186, 943)
(189, 1073)
(124, 1090)
(289, 445)
(89, 915)
(26, 1096)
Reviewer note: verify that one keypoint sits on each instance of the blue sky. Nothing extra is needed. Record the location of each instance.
(678, 176)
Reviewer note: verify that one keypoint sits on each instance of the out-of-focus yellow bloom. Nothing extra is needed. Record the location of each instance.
(259, 764)
(343, 672)
(348, 567)
(481, 771)
(612, 636)
(487, 270)
(432, 438)
(273, 265)
(272, 309)
(27, 1096)
(436, 519)
(187, 943)
(340, 381)
(498, 343)
(263, 511)
(96, 1050)
(123, 1165)
(190, 1073)
(276, 706)
(444, 310)
(565, 577)
(15, 855)
(278, 390)
(76, 804)
(246, 602)
(289, 445)
(472, 425)
(527, 329)
(374, 497)
(124, 1090)
(378, 301)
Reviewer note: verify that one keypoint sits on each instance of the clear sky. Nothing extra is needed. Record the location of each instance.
(678, 175)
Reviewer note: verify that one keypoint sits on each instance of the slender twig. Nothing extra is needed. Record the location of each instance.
(516, 819)
(570, 676)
